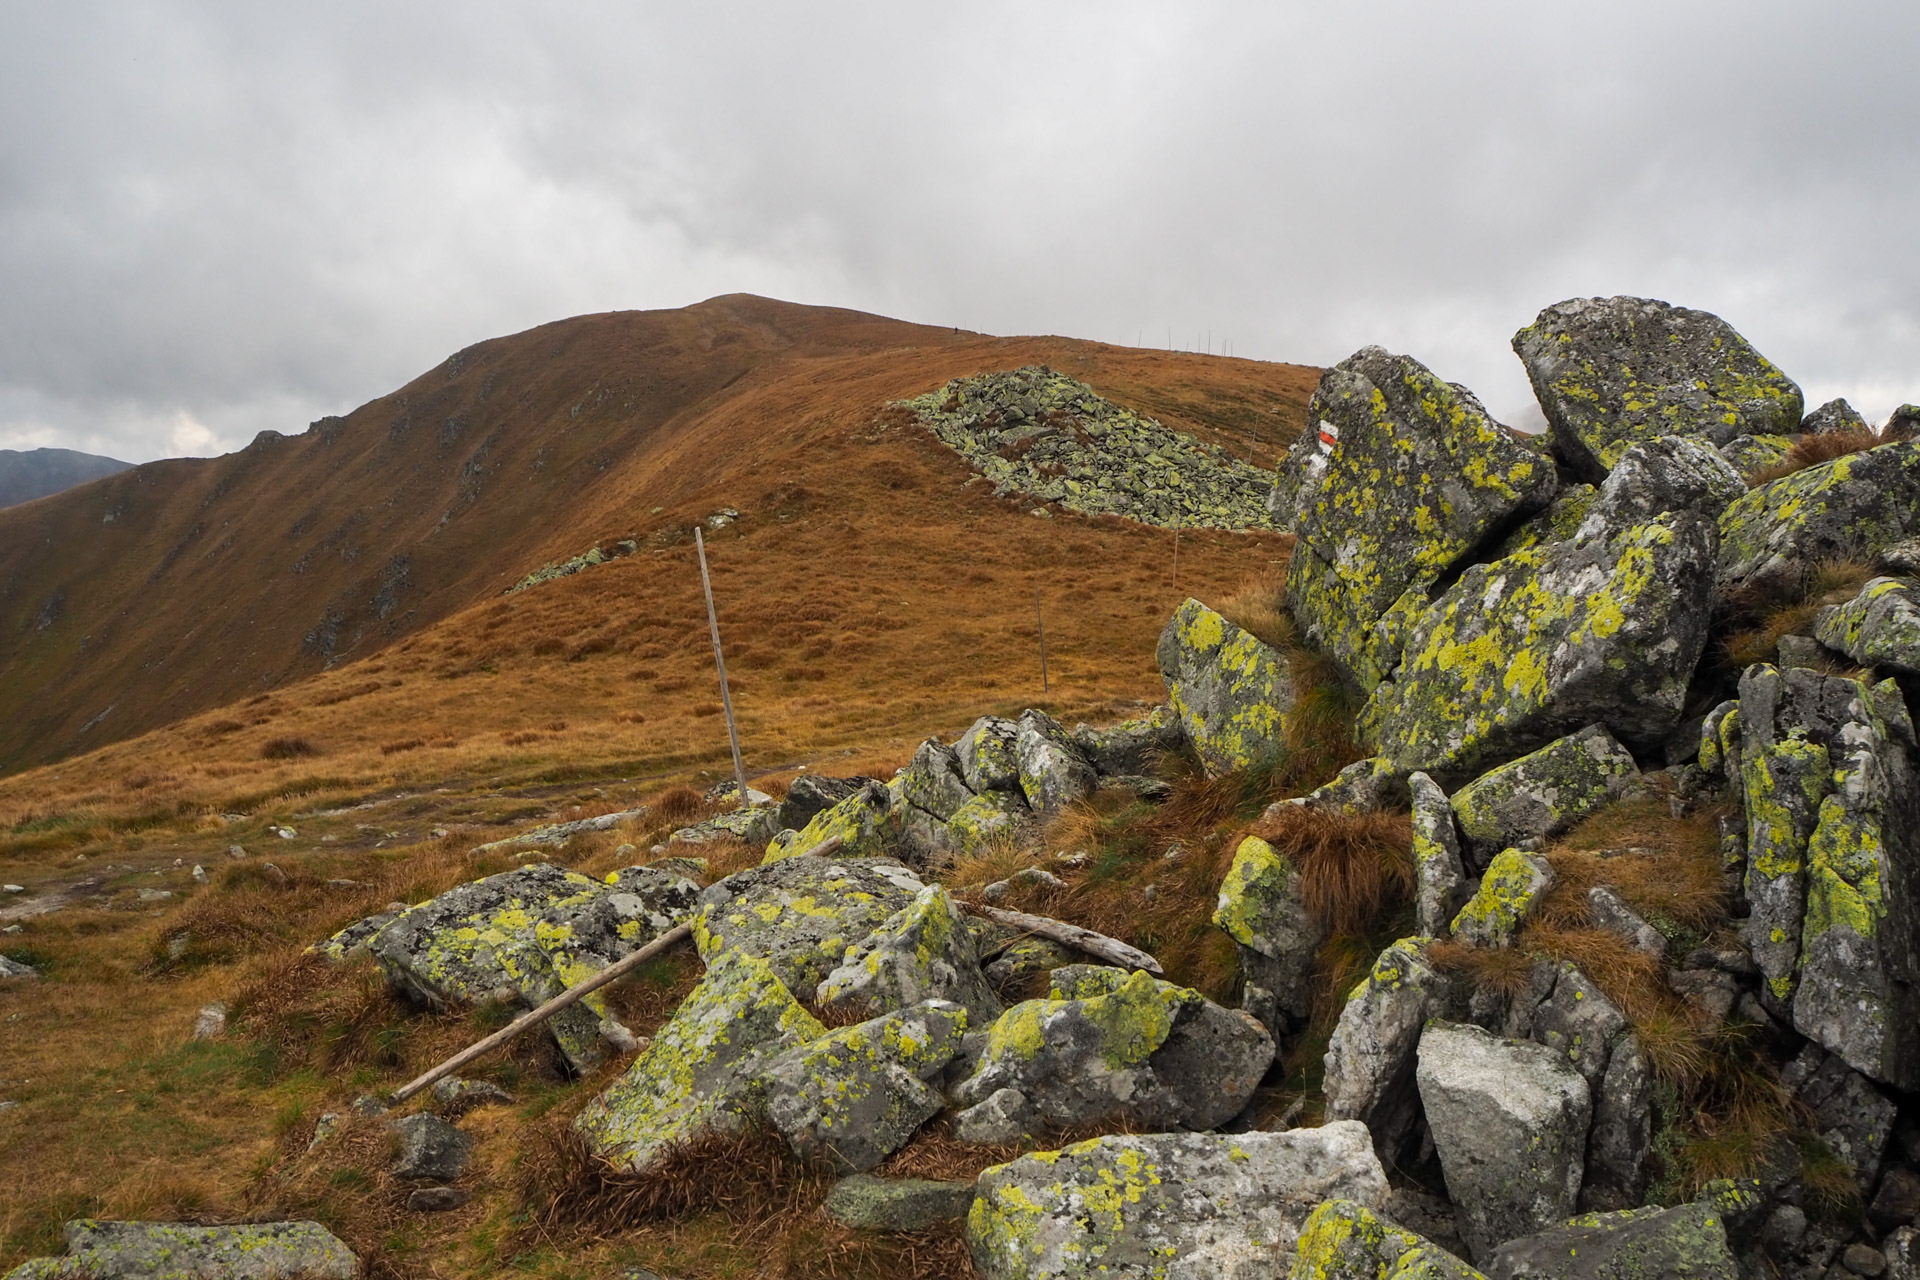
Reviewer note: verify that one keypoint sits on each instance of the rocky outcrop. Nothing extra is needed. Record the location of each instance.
(1846, 509)
(1184, 1206)
(1108, 1046)
(1278, 939)
(1880, 627)
(1372, 1054)
(924, 951)
(1231, 692)
(856, 1095)
(801, 914)
(703, 1073)
(181, 1251)
(1419, 476)
(1611, 372)
(1542, 794)
(1688, 1242)
(1041, 433)
(1509, 1121)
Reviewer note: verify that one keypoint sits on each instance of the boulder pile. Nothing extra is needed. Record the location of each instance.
(1533, 630)
(1054, 439)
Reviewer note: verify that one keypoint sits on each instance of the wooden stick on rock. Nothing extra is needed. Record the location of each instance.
(1098, 945)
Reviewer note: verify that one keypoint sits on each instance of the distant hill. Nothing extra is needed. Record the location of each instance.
(35, 473)
(178, 586)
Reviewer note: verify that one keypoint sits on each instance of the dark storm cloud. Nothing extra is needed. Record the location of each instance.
(218, 219)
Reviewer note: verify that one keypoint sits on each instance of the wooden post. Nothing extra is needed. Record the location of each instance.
(1176, 555)
(1040, 620)
(720, 661)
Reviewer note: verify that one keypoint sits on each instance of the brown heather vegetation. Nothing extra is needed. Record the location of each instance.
(1811, 451)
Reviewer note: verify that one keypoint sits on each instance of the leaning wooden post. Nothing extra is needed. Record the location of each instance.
(720, 661)
(1040, 621)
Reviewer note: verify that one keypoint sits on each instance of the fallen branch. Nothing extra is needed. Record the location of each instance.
(1097, 945)
(612, 973)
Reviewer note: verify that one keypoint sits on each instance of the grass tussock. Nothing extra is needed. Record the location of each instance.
(1811, 451)
(1758, 619)
(1356, 870)
(288, 748)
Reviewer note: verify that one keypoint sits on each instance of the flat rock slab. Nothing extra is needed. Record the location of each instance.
(1684, 1243)
(867, 1203)
(1167, 1206)
(800, 914)
(176, 1251)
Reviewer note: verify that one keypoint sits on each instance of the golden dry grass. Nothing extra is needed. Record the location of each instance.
(1811, 451)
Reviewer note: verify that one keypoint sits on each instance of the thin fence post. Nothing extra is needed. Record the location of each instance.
(720, 661)
(1040, 621)
(1176, 555)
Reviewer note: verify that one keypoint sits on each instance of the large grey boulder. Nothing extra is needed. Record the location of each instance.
(1509, 1121)
(1846, 509)
(1167, 1206)
(801, 914)
(989, 755)
(1053, 773)
(1880, 627)
(924, 951)
(1612, 372)
(934, 781)
(179, 1251)
(1261, 908)
(1107, 1045)
(1231, 692)
(1605, 629)
(1667, 473)
(1298, 476)
(703, 1073)
(809, 794)
(1688, 1242)
(1589, 1033)
(1544, 793)
(1440, 875)
(1833, 817)
(1419, 477)
(1852, 1117)
(1372, 1053)
(1835, 417)
(867, 824)
(856, 1095)
(1345, 1240)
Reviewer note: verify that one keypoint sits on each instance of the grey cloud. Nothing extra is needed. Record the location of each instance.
(223, 215)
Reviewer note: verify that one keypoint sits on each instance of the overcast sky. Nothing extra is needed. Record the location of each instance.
(219, 218)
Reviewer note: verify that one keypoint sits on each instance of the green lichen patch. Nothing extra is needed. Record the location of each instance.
(1846, 509)
(1544, 793)
(801, 914)
(866, 824)
(1231, 692)
(1345, 1240)
(1514, 881)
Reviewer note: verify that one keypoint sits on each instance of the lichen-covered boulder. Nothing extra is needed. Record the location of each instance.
(1509, 1121)
(866, 823)
(703, 1073)
(1345, 1240)
(1834, 417)
(1751, 454)
(1605, 629)
(1365, 786)
(1298, 476)
(801, 914)
(1132, 747)
(1846, 509)
(1667, 473)
(1419, 476)
(99, 1250)
(582, 937)
(1112, 1046)
(476, 942)
(1880, 627)
(1440, 876)
(1231, 692)
(1514, 881)
(924, 951)
(870, 1203)
(1575, 1020)
(1544, 793)
(1611, 372)
(1372, 1052)
(856, 1095)
(1053, 773)
(989, 757)
(1687, 1242)
(1166, 1206)
(933, 780)
(1262, 910)
(351, 942)
(755, 825)
(810, 793)
(989, 815)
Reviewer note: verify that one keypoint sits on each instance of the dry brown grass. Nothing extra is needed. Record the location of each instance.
(1811, 451)
(1356, 870)
(1760, 619)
